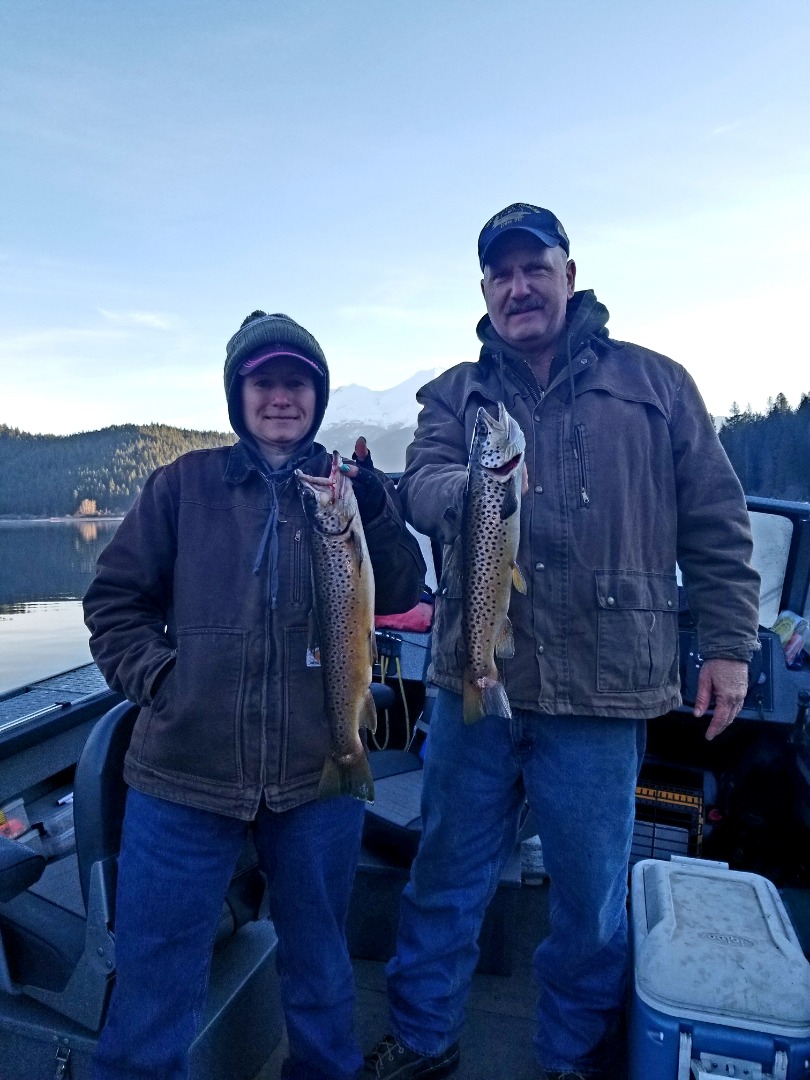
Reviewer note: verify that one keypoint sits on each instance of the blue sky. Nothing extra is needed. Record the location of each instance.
(165, 168)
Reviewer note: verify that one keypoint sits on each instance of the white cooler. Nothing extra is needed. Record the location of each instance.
(720, 984)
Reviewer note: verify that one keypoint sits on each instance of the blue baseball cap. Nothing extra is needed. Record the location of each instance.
(531, 219)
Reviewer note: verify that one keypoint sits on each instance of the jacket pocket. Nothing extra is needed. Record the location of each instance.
(194, 725)
(637, 640)
(304, 728)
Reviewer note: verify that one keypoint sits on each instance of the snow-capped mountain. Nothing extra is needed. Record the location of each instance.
(387, 418)
(391, 408)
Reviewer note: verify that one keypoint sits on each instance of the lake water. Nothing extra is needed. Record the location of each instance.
(45, 568)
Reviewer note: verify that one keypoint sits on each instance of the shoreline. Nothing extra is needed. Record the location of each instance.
(86, 519)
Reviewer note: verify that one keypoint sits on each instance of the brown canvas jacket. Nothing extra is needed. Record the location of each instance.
(625, 478)
(182, 626)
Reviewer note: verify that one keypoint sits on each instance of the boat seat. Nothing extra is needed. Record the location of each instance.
(57, 940)
(392, 826)
(20, 867)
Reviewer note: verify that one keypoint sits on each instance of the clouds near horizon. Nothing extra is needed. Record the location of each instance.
(165, 169)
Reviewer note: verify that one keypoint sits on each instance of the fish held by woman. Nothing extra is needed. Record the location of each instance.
(343, 585)
(490, 538)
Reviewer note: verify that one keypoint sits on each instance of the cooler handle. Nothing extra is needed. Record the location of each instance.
(710, 1066)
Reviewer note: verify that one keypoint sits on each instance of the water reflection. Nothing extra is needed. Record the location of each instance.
(45, 568)
(88, 531)
(48, 560)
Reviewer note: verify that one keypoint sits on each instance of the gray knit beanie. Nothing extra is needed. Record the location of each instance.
(258, 333)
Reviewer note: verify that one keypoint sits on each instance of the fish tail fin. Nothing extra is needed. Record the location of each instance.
(473, 702)
(496, 703)
(484, 697)
(352, 777)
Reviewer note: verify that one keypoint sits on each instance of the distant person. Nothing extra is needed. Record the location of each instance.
(199, 614)
(625, 476)
(361, 454)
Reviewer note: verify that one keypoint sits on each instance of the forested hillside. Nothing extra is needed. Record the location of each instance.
(770, 451)
(55, 475)
(103, 471)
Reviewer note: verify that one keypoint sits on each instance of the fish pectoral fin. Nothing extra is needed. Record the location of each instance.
(505, 642)
(510, 503)
(372, 647)
(368, 714)
(358, 546)
(518, 579)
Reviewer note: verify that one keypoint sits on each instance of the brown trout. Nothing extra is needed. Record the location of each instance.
(490, 537)
(343, 585)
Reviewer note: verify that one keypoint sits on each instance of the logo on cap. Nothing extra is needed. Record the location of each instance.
(506, 218)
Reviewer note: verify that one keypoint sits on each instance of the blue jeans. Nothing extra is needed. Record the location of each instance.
(175, 865)
(579, 776)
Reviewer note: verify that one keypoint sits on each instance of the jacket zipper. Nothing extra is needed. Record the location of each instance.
(535, 392)
(579, 454)
(263, 779)
(298, 548)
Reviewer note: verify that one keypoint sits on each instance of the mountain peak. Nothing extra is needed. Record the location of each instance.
(393, 408)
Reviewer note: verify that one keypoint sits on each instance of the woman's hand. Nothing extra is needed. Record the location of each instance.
(369, 491)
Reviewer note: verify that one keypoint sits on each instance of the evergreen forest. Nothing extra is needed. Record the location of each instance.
(102, 472)
(98, 472)
(770, 451)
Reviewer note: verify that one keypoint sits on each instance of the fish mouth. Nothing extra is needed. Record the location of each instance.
(507, 468)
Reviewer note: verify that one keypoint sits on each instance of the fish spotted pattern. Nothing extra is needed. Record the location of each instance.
(490, 538)
(343, 585)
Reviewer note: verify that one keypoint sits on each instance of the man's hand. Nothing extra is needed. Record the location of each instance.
(726, 681)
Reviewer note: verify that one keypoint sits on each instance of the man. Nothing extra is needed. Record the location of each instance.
(199, 613)
(625, 476)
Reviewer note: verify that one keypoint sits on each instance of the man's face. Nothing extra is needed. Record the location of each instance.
(278, 404)
(526, 287)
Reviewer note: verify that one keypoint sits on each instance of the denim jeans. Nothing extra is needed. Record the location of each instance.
(579, 776)
(175, 865)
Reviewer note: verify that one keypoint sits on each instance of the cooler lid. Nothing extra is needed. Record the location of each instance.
(717, 945)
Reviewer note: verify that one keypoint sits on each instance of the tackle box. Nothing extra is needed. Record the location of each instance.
(721, 986)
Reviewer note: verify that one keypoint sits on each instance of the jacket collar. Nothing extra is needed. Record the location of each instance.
(241, 462)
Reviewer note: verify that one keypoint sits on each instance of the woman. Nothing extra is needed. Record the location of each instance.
(199, 614)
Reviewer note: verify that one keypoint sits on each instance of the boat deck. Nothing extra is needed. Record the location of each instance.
(497, 1038)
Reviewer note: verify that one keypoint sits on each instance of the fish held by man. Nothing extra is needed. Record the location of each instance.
(343, 585)
(490, 538)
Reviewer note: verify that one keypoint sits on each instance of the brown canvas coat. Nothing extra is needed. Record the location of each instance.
(626, 477)
(182, 626)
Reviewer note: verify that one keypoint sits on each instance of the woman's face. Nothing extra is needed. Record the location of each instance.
(278, 405)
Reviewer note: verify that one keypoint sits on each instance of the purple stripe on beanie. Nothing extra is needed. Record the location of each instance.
(271, 354)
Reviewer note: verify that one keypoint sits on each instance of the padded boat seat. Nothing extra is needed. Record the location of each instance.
(19, 868)
(57, 941)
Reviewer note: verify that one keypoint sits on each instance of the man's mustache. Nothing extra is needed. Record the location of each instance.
(518, 307)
